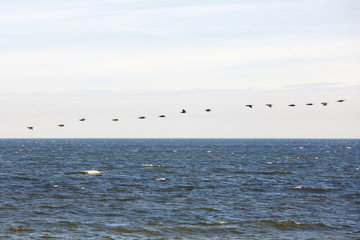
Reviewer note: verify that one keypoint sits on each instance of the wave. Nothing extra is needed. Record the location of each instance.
(153, 165)
(287, 224)
(54, 207)
(90, 172)
(17, 229)
(311, 189)
(141, 231)
(160, 179)
(117, 199)
(263, 172)
(212, 223)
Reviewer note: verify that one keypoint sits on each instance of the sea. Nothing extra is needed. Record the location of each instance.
(180, 189)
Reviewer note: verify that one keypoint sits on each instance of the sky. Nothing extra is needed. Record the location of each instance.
(62, 60)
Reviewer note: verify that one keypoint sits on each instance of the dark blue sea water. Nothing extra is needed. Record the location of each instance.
(179, 189)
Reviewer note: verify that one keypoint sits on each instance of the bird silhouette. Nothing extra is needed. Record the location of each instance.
(208, 110)
(341, 100)
(309, 104)
(183, 111)
(115, 119)
(142, 117)
(61, 125)
(249, 106)
(82, 119)
(324, 104)
(269, 105)
(30, 128)
(162, 116)
(291, 105)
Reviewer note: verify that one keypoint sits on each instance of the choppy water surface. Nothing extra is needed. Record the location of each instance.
(179, 189)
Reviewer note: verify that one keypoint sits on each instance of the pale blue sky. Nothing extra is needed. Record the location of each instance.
(130, 57)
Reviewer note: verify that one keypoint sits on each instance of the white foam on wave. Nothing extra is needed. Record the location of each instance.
(286, 220)
(152, 165)
(215, 223)
(348, 147)
(273, 163)
(160, 179)
(297, 187)
(92, 172)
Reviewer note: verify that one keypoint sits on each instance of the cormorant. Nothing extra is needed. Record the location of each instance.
(142, 117)
(249, 105)
(269, 105)
(30, 128)
(61, 125)
(324, 104)
(162, 116)
(309, 104)
(183, 111)
(115, 119)
(341, 100)
(291, 105)
(82, 119)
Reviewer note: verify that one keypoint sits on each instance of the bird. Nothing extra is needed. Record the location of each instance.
(142, 117)
(324, 104)
(341, 100)
(183, 111)
(249, 105)
(30, 128)
(309, 104)
(162, 116)
(269, 105)
(82, 119)
(61, 125)
(291, 105)
(115, 119)
(208, 110)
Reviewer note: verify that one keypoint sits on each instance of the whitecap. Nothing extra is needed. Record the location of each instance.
(222, 223)
(297, 188)
(147, 165)
(92, 172)
(209, 151)
(152, 165)
(160, 179)
(348, 147)
(286, 220)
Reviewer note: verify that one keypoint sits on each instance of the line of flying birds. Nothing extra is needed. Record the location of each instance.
(206, 110)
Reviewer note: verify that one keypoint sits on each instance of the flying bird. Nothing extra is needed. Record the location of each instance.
(324, 104)
(208, 110)
(61, 125)
(82, 119)
(162, 116)
(269, 105)
(30, 128)
(341, 100)
(115, 119)
(291, 105)
(183, 111)
(142, 117)
(249, 105)
(309, 104)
